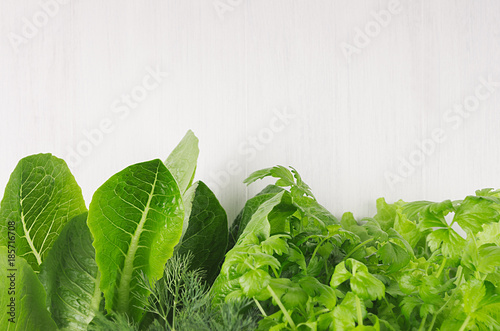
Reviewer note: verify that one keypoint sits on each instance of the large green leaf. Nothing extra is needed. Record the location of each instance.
(19, 282)
(314, 211)
(394, 256)
(40, 198)
(182, 161)
(207, 231)
(71, 278)
(474, 212)
(258, 228)
(136, 219)
(417, 210)
(363, 283)
(259, 224)
(490, 234)
(248, 210)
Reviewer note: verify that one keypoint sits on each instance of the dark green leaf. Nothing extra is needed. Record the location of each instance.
(71, 278)
(207, 231)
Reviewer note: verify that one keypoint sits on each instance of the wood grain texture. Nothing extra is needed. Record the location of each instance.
(231, 65)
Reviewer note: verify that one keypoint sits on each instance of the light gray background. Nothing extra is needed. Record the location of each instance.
(232, 64)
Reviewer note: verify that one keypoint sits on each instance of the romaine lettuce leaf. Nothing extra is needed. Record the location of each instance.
(182, 161)
(28, 308)
(136, 219)
(71, 278)
(40, 198)
(207, 231)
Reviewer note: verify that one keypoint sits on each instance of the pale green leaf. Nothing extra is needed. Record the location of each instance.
(182, 161)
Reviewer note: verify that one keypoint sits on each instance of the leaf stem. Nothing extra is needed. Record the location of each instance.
(316, 249)
(358, 247)
(275, 273)
(459, 275)
(390, 308)
(438, 312)
(260, 307)
(441, 267)
(358, 311)
(466, 322)
(422, 324)
(283, 309)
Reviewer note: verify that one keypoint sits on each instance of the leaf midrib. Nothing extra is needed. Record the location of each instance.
(128, 266)
(26, 232)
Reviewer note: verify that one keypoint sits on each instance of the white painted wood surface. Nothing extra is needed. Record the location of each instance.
(232, 64)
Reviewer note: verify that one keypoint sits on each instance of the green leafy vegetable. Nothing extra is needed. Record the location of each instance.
(207, 231)
(407, 268)
(285, 177)
(363, 284)
(22, 299)
(153, 242)
(246, 213)
(180, 301)
(136, 219)
(182, 161)
(71, 278)
(40, 198)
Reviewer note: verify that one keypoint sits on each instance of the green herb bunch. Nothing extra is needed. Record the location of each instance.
(407, 268)
(180, 300)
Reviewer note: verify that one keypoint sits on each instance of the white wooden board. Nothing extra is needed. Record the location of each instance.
(345, 91)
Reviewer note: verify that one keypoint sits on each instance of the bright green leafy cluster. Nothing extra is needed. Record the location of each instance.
(407, 268)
